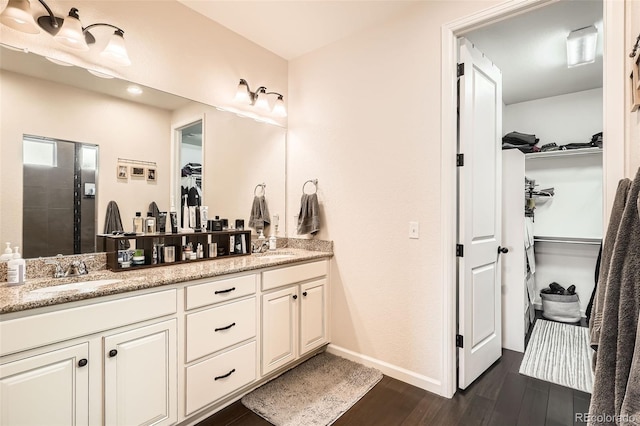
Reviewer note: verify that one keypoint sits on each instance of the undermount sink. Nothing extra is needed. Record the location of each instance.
(83, 286)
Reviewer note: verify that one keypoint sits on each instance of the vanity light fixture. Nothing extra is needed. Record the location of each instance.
(260, 98)
(68, 32)
(581, 46)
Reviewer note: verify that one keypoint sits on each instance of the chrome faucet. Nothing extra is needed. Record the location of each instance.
(75, 268)
(259, 246)
(58, 273)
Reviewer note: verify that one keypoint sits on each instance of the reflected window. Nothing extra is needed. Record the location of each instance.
(89, 157)
(39, 152)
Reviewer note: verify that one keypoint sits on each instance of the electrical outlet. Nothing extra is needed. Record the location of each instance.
(414, 230)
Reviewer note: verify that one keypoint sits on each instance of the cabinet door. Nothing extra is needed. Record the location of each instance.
(279, 328)
(47, 389)
(313, 321)
(140, 376)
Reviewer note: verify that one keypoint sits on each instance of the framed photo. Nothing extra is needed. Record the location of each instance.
(122, 172)
(137, 171)
(151, 174)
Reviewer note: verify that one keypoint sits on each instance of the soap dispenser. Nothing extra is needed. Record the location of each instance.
(8, 254)
(16, 269)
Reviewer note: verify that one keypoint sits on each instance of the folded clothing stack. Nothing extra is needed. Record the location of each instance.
(522, 141)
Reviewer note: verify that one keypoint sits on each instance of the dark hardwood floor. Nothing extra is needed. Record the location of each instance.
(500, 397)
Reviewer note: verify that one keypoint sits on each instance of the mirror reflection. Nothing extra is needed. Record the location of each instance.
(68, 104)
(59, 191)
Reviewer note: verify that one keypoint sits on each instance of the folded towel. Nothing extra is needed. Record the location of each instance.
(259, 212)
(308, 218)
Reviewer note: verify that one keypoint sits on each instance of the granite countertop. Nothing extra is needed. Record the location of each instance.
(23, 297)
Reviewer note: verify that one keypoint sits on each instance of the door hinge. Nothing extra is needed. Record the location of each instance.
(460, 160)
(459, 250)
(460, 71)
(459, 341)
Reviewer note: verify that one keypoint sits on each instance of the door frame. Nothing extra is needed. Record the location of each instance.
(613, 153)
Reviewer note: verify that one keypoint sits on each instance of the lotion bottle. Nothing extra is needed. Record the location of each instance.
(16, 269)
(8, 254)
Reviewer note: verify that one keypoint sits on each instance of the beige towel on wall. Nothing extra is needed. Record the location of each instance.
(617, 347)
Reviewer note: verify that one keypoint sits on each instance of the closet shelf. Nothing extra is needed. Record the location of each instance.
(567, 240)
(563, 153)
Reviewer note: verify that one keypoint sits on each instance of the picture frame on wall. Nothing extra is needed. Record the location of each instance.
(137, 171)
(122, 171)
(151, 174)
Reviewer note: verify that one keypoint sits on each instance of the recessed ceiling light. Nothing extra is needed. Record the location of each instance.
(134, 90)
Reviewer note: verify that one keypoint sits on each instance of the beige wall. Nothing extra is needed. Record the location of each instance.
(365, 121)
(36, 107)
(632, 136)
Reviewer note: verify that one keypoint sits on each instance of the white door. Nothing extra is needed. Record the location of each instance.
(140, 376)
(313, 324)
(479, 214)
(48, 389)
(279, 328)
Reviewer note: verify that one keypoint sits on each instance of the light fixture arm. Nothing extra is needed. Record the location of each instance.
(91, 39)
(52, 18)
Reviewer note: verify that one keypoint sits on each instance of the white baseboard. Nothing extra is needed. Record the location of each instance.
(399, 373)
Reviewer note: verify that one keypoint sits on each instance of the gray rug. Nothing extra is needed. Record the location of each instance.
(559, 353)
(316, 392)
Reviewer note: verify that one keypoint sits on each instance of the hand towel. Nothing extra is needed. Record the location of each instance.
(615, 356)
(595, 322)
(153, 208)
(113, 223)
(308, 218)
(259, 212)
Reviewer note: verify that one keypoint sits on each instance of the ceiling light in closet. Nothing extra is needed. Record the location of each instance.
(581, 46)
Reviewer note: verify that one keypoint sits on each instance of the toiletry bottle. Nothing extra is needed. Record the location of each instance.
(272, 242)
(138, 223)
(8, 254)
(16, 269)
(150, 226)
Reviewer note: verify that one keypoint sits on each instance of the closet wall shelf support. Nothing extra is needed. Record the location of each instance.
(567, 240)
(568, 152)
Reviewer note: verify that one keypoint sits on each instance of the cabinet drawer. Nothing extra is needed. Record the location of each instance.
(293, 274)
(212, 292)
(220, 327)
(214, 378)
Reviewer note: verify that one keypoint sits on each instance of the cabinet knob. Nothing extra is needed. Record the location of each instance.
(295, 296)
(503, 250)
(113, 353)
(304, 293)
(82, 362)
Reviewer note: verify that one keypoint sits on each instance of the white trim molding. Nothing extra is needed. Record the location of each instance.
(399, 373)
(613, 88)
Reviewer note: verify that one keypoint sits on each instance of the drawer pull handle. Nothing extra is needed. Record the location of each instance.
(82, 362)
(224, 291)
(225, 328)
(295, 296)
(224, 376)
(304, 293)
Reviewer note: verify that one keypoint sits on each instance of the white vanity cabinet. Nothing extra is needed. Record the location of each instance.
(140, 376)
(220, 340)
(113, 371)
(47, 388)
(294, 313)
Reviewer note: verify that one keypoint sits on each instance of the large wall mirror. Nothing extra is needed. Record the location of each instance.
(45, 100)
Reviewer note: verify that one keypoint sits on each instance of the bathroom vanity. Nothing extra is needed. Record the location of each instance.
(158, 346)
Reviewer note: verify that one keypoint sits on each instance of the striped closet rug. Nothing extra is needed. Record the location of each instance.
(559, 353)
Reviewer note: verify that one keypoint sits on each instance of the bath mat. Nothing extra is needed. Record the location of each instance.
(315, 393)
(559, 353)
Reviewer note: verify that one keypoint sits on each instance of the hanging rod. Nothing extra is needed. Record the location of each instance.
(567, 240)
(126, 160)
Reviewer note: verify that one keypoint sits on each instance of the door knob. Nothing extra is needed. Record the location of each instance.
(503, 250)
(82, 362)
(113, 353)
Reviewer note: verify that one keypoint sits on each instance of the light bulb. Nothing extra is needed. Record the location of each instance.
(17, 15)
(71, 33)
(116, 50)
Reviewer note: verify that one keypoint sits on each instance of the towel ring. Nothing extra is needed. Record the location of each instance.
(260, 185)
(314, 182)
